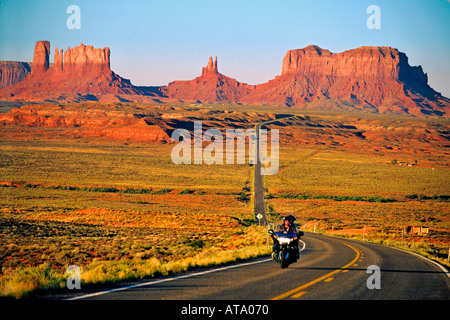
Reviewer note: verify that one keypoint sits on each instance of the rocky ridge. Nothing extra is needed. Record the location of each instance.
(12, 72)
(373, 79)
(369, 79)
(80, 73)
(211, 87)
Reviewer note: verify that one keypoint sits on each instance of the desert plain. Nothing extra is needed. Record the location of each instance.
(92, 184)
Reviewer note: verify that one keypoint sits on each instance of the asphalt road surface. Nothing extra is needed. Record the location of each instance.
(329, 269)
(259, 205)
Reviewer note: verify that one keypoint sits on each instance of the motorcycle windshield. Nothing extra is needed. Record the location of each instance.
(285, 235)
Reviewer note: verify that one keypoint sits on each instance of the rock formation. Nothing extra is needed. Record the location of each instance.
(90, 121)
(58, 61)
(41, 57)
(79, 73)
(83, 60)
(12, 72)
(211, 67)
(374, 79)
(369, 79)
(211, 86)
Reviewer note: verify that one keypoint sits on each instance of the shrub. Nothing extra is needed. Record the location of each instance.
(243, 197)
(197, 244)
(186, 191)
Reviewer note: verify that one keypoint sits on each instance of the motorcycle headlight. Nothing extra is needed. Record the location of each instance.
(284, 240)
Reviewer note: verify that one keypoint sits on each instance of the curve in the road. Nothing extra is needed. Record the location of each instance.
(299, 291)
(329, 269)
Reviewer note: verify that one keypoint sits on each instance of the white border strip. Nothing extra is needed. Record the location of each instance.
(429, 260)
(149, 283)
(304, 245)
(392, 247)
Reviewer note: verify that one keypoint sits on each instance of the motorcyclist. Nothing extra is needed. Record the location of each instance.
(288, 226)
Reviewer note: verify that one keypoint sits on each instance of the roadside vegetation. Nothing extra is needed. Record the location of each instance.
(117, 211)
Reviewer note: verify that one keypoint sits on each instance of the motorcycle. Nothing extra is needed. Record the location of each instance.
(288, 251)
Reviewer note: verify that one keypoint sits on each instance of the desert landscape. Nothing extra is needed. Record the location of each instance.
(93, 184)
(366, 79)
(87, 179)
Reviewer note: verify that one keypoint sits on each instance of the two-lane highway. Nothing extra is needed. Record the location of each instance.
(329, 269)
(259, 205)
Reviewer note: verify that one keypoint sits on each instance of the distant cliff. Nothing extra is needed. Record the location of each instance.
(373, 79)
(75, 73)
(368, 79)
(211, 86)
(82, 61)
(12, 72)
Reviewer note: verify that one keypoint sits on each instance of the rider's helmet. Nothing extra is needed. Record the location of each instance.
(290, 218)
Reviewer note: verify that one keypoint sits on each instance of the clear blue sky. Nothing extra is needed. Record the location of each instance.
(155, 42)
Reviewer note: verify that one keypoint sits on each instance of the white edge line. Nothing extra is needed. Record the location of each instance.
(165, 280)
(429, 260)
(304, 245)
(403, 250)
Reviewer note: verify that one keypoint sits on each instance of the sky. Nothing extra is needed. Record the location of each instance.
(155, 42)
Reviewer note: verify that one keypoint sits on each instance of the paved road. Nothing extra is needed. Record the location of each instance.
(329, 269)
(259, 205)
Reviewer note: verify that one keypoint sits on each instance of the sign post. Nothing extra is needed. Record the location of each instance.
(259, 216)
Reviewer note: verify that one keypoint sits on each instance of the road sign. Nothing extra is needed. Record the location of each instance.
(259, 216)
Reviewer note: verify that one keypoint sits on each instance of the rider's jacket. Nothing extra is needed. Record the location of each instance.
(292, 229)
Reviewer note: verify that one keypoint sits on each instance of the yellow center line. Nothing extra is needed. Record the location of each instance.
(302, 287)
(298, 295)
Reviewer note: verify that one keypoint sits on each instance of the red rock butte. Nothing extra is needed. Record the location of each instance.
(82, 60)
(369, 79)
(377, 79)
(40, 59)
(211, 87)
(211, 67)
(79, 73)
